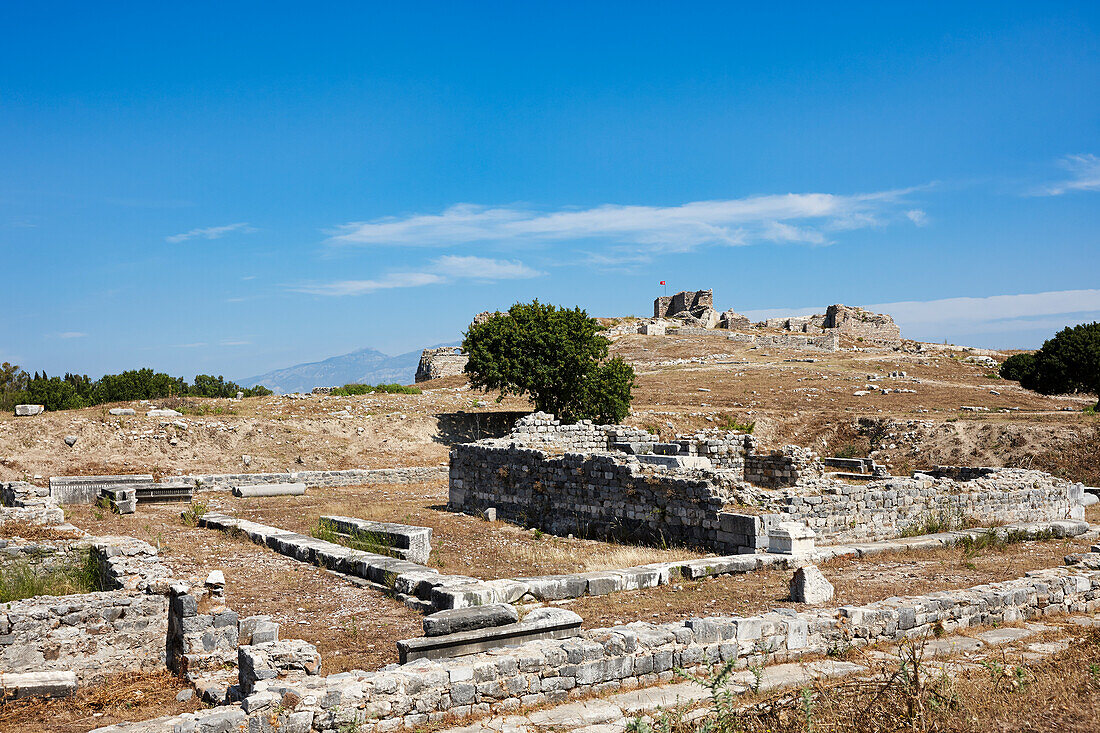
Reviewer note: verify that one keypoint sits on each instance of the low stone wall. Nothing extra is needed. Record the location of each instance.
(841, 512)
(825, 342)
(91, 634)
(26, 503)
(350, 477)
(585, 494)
(636, 654)
(116, 629)
(785, 467)
(543, 429)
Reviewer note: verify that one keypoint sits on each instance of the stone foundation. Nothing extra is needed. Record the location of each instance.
(350, 477)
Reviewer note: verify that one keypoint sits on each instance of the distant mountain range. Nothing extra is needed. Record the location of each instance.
(365, 366)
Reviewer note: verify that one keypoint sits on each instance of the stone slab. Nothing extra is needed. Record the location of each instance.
(29, 410)
(542, 623)
(574, 715)
(37, 684)
(455, 620)
(85, 489)
(412, 543)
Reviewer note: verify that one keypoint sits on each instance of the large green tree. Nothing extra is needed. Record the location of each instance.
(555, 356)
(1069, 362)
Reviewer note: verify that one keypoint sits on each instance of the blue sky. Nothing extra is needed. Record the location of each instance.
(232, 188)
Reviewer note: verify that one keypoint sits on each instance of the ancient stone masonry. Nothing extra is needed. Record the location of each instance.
(621, 657)
(587, 495)
(447, 361)
(568, 480)
(668, 306)
(859, 323)
(784, 467)
(841, 512)
(350, 477)
(826, 342)
(25, 502)
(119, 628)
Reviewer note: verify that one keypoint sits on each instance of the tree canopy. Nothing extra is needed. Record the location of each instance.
(555, 356)
(1069, 362)
(74, 391)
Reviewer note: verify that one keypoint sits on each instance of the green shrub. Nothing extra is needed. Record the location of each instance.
(728, 422)
(556, 357)
(357, 389)
(193, 513)
(1069, 362)
(1017, 367)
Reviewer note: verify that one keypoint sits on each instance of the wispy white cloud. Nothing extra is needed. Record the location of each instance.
(210, 232)
(194, 345)
(441, 270)
(482, 268)
(798, 218)
(917, 216)
(1084, 175)
(992, 314)
(234, 342)
(71, 335)
(992, 308)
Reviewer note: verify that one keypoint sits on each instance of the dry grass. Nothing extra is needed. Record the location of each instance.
(35, 532)
(130, 696)
(308, 602)
(1060, 693)
(461, 543)
(857, 582)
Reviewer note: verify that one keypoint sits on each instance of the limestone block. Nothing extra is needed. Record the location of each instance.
(37, 684)
(120, 411)
(29, 410)
(810, 586)
(466, 619)
(791, 538)
(541, 623)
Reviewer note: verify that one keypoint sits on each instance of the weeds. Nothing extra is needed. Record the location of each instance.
(848, 451)
(193, 513)
(992, 540)
(936, 522)
(20, 579)
(379, 544)
(728, 422)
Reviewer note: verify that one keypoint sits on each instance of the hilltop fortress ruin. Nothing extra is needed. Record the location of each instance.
(693, 311)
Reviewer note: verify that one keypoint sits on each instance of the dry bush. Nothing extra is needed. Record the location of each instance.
(1060, 693)
(124, 696)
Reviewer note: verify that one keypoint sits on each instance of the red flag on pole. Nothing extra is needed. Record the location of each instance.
(662, 282)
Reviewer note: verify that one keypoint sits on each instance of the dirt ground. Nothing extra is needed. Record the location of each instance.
(857, 582)
(352, 627)
(120, 698)
(684, 383)
(461, 544)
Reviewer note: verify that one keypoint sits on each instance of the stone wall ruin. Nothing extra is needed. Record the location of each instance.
(544, 476)
(446, 361)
